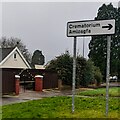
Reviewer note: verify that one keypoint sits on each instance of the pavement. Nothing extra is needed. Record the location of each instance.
(32, 95)
(112, 84)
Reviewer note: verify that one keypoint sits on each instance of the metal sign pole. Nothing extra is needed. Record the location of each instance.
(74, 74)
(83, 45)
(108, 73)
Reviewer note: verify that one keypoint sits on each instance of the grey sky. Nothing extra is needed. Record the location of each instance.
(42, 25)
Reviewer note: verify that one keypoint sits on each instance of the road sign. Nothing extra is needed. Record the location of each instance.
(90, 27)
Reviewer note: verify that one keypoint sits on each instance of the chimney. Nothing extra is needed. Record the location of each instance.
(119, 4)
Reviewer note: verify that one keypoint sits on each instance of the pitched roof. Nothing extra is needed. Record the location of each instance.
(4, 52)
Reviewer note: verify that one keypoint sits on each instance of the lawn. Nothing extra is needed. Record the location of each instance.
(60, 107)
(113, 92)
(0, 112)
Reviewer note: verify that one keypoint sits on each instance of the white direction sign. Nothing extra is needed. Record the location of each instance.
(90, 27)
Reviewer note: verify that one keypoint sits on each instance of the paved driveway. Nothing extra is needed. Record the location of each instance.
(33, 95)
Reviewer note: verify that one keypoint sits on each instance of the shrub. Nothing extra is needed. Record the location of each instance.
(88, 74)
(97, 76)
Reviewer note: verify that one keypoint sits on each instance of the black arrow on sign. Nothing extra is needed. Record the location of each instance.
(109, 26)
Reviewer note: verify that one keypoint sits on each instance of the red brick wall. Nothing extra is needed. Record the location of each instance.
(17, 84)
(38, 83)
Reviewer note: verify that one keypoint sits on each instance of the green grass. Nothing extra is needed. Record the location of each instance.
(60, 107)
(0, 112)
(113, 92)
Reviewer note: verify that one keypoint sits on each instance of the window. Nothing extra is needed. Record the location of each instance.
(15, 56)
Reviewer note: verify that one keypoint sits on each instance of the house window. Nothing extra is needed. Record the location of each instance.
(15, 56)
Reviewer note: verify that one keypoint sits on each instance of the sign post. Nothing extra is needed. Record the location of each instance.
(108, 73)
(74, 73)
(90, 28)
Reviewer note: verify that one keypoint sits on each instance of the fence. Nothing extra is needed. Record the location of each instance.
(50, 79)
(8, 80)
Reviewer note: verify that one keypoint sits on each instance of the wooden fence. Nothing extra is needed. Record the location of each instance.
(50, 79)
(8, 80)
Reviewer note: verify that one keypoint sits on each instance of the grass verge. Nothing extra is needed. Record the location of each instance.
(60, 107)
(113, 92)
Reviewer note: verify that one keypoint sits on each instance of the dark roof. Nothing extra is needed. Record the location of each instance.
(4, 52)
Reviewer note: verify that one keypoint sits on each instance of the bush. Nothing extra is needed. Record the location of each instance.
(63, 66)
(88, 74)
(97, 76)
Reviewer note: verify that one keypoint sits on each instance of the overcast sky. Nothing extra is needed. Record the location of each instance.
(42, 25)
